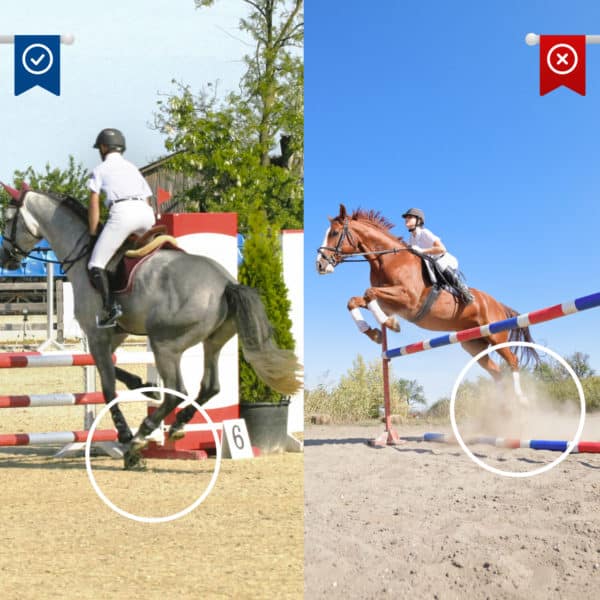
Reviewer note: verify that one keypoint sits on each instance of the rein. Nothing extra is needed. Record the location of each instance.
(17, 253)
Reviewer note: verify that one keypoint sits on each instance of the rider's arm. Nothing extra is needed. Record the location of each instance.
(430, 244)
(436, 248)
(93, 212)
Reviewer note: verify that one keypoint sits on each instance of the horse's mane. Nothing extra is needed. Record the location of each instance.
(70, 202)
(375, 218)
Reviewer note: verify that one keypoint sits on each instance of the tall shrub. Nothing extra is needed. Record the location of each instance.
(262, 269)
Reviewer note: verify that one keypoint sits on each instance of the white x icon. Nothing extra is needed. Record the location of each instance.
(555, 59)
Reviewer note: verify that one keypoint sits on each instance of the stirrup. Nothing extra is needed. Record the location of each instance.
(111, 320)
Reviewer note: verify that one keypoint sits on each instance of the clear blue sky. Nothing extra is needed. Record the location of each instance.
(125, 54)
(436, 105)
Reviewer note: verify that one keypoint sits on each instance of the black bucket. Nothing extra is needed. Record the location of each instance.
(266, 424)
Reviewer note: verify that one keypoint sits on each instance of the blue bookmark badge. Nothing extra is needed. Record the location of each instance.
(37, 62)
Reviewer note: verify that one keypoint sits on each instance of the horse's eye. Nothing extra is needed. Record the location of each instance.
(334, 233)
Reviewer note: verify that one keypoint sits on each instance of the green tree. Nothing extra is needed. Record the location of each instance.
(359, 394)
(411, 391)
(262, 269)
(231, 143)
(580, 363)
(71, 181)
(550, 370)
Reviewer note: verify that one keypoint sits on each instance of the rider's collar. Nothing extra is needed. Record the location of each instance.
(112, 155)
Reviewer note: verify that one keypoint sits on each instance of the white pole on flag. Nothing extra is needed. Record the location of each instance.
(68, 38)
(533, 39)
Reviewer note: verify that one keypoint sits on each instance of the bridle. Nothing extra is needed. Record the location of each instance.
(337, 256)
(17, 254)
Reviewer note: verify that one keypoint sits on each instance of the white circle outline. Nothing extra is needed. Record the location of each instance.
(50, 60)
(123, 398)
(570, 445)
(562, 46)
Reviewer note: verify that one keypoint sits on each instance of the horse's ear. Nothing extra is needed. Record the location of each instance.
(14, 194)
(330, 219)
(342, 211)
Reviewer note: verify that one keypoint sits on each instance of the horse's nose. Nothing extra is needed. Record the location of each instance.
(323, 267)
(320, 264)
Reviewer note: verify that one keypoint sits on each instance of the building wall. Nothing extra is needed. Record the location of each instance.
(292, 243)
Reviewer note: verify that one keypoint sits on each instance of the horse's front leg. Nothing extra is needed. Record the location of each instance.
(101, 350)
(371, 298)
(354, 306)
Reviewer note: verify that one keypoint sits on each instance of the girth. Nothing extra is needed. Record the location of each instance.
(434, 292)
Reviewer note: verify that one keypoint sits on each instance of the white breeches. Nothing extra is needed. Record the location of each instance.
(447, 260)
(125, 218)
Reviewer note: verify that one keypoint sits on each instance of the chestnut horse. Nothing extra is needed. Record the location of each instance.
(398, 287)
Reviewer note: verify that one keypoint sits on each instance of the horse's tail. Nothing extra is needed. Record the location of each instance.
(522, 334)
(278, 368)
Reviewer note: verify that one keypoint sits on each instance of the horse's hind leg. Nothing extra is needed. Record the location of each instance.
(167, 364)
(210, 381)
(474, 347)
(513, 362)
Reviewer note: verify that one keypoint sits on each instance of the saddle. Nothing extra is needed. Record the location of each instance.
(135, 250)
(433, 276)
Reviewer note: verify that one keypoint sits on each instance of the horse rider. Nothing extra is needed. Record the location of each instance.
(127, 197)
(423, 241)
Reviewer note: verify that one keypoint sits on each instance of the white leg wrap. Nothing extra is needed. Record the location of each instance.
(517, 383)
(518, 391)
(374, 307)
(360, 322)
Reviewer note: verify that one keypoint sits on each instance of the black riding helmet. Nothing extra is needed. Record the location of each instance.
(112, 138)
(415, 212)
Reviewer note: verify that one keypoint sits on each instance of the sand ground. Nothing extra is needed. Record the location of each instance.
(58, 539)
(421, 520)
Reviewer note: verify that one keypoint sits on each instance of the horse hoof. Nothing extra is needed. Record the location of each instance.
(133, 461)
(374, 334)
(138, 444)
(176, 431)
(392, 323)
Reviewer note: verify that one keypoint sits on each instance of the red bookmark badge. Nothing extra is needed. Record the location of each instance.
(562, 62)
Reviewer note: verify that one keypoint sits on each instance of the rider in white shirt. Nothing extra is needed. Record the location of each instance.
(423, 241)
(127, 196)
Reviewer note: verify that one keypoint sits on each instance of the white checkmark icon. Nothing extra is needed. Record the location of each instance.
(40, 65)
(37, 61)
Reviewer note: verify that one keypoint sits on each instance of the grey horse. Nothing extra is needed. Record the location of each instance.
(178, 300)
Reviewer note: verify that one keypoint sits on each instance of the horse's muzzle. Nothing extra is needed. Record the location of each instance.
(8, 260)
(324, 267)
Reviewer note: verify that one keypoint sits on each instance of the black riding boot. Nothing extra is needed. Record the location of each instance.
(457, 283)
(111, 308)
